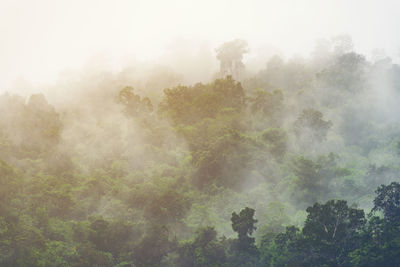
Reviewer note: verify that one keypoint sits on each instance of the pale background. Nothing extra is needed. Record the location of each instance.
(42, 38)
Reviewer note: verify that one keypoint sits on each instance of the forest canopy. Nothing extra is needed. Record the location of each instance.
(296, 164)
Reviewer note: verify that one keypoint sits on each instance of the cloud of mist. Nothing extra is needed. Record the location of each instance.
(41, 39)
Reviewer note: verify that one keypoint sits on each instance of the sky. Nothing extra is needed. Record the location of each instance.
(40, 39)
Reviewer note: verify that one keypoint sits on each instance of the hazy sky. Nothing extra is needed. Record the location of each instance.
(41, 38)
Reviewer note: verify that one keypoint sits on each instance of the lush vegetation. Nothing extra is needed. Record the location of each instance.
(279, 169)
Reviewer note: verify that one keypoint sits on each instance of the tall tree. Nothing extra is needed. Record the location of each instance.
(230, 55)
(244, 249)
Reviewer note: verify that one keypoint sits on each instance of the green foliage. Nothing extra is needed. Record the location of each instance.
(380, 240)
(9, 182)
(189, 105)
(330, 230)
(243, 249)
(168, 207)
(29, 129)
(379, 246)
(153, 247)
(278, 250)
(122, 181)
(314, 177)
(310, 122)
(133, 103)
(266, 103)
(329, 234)
(244, 223)
(388, 201)
(204, 250)
(276, 140)
(347, 73)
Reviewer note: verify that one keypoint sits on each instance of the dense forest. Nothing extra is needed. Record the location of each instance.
(297, 164)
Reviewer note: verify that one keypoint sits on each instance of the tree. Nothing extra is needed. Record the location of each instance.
(203, 250)
(153, 247)
(314, 177)
(330, 233)
(380, 240)
(166, 208)
(243, 249)
(276, 140)
(346, 74)
(133, 103)
(208, 117)
(388, 201)
(244, 223)
(310, 124)
(266, 108)
(8, 185)
(188, 105)
(230, 55)
(281, 249)
(379, 244)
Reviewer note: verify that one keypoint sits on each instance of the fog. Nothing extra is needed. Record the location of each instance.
(159, 133)
(42, 39)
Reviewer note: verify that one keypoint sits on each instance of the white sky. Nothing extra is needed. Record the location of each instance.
(41, 38)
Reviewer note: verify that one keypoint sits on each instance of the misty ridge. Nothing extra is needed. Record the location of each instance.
(209, 157)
